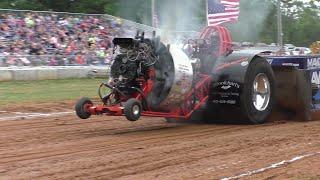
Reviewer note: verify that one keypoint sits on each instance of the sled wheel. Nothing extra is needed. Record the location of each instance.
(132, 109)
(258, 97)
(82, 107)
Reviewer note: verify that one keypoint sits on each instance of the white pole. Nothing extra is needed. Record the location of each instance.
(153, 9)
(207, 9)
(280, 33)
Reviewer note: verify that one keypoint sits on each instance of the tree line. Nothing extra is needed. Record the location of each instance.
(257, 22)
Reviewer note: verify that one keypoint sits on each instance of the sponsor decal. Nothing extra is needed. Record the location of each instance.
(226, 94)
(315, 79)
(290, 64)
(238, 61)
(227, 85)
(313, 62)
(317, 95)
(270, 61)
(244, 63)
(224, 101)
(316, 100)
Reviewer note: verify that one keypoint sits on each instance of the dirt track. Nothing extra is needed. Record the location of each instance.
(65, 147)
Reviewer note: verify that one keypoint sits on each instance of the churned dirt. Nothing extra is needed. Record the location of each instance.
(65, 147)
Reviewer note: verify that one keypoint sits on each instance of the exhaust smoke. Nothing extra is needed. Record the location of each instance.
(253, 14)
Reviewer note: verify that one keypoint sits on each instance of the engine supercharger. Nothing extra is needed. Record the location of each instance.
(165, 70)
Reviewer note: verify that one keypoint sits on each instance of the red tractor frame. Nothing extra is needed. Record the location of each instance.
(135, 106)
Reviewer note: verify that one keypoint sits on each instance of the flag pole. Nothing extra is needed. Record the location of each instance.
(280, 32)
(153, 9)
(207, 9)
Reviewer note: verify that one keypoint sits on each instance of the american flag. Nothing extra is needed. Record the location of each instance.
(221, 11)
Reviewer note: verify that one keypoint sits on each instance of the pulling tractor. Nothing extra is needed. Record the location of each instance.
(205, 79)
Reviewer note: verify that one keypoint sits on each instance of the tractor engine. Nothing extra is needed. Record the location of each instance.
(161, 74)
(134, 61)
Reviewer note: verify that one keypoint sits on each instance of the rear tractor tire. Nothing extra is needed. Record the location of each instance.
(259, 92)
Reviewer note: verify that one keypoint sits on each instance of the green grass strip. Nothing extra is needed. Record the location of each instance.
(47, 90)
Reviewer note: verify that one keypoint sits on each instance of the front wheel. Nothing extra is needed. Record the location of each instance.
(132, 109)
(82, 108)
(258, 97)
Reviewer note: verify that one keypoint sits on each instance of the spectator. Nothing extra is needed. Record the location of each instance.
(44, 34)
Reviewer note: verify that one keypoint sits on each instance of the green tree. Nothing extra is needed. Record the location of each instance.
(22, 4)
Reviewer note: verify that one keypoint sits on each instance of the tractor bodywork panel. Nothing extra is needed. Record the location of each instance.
(228, 77)
(297, 80)
(293, 71)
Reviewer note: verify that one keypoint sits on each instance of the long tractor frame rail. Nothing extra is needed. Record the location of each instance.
(134, 107)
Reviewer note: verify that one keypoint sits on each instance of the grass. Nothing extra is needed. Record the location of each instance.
(47, 90)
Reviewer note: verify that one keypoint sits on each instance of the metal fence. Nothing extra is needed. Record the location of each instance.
(53, 60)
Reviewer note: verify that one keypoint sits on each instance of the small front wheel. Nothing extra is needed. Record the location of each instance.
(132, 109)
(82, 108)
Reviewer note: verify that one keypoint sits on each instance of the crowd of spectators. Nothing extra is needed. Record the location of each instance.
(35, 38)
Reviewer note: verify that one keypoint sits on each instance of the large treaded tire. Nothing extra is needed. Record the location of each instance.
(81, 109)
(129, 110)
(257, 66)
